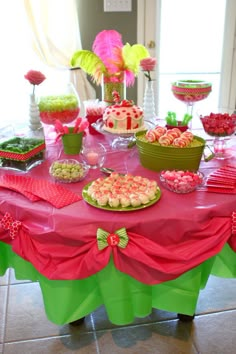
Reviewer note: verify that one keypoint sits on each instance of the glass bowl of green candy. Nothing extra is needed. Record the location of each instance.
(68, 170)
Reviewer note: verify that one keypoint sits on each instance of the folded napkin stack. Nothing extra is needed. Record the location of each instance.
(222, 180)
(39, 189)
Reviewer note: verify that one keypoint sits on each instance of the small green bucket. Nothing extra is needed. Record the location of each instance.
(157, 158)
(72, 143)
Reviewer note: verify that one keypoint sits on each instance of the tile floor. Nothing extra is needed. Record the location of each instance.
(24, 328)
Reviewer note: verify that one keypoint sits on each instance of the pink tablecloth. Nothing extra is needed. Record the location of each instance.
(165, 240)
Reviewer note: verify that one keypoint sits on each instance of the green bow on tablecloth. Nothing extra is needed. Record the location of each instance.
(118, 238)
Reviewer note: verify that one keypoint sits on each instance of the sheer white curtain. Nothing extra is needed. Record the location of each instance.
(51, 56)
(56, 36)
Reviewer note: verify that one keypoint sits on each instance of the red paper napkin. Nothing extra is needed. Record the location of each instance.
(222, 180)
(39, 189)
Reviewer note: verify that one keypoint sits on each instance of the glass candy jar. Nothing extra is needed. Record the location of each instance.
(61, 102)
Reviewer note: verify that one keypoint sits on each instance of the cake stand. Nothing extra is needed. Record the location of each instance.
(221, 126)
(191, 91)
(118, 141)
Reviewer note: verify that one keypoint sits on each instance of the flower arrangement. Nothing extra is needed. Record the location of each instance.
(110, 58)
(35, 78)
(148, 65)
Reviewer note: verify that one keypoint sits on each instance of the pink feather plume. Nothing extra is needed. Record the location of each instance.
(106, 46)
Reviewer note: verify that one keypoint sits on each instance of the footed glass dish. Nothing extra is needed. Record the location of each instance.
(220, 125)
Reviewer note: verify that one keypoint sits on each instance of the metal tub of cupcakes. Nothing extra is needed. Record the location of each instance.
(169, 149)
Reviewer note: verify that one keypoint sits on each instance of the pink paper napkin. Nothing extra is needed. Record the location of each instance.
(39, 189)
(222, 180)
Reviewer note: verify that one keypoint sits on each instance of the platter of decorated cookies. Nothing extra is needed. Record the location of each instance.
(119, 192)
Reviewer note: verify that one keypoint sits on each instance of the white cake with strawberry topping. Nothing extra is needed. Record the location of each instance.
(124, 117)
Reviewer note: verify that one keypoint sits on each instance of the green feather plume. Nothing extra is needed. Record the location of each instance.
(132, 56)
(90, 63)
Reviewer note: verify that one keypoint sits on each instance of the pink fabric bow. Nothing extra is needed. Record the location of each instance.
(8, 223)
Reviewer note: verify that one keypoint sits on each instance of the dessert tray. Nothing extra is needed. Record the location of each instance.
(93, 203)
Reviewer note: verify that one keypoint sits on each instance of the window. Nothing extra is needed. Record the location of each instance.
(191, 41)
(194, 40)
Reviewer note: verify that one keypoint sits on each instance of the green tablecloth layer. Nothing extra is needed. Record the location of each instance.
(123, 297)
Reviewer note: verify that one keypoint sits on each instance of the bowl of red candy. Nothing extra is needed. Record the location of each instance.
(219, 124)
(191, 90)
(181, 182)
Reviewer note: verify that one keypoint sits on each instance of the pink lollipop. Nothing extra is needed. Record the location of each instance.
(84, 124)
(59, 127)
(77, 123)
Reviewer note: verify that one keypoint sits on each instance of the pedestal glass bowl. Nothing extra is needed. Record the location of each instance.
(190, 91)
(220, 126)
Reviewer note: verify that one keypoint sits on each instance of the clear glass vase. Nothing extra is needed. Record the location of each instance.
(149, 103)
(111, 84)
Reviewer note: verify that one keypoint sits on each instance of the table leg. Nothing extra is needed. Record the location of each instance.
(77, 322)
(185, 318)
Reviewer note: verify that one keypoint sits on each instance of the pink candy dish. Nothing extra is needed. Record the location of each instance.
(180, 181)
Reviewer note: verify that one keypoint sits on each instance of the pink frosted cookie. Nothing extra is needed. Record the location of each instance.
(188, 135)
(179, 142)
(175, 132)
(165, 140)
(150, 136)
(159, 131)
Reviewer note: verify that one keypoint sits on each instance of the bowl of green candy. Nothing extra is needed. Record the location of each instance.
(61, 104)
(68, 170)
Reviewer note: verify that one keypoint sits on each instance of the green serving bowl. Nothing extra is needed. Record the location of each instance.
(157, 158)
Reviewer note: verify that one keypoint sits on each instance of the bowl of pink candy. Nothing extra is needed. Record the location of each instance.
(181, 182)
(219, 124)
